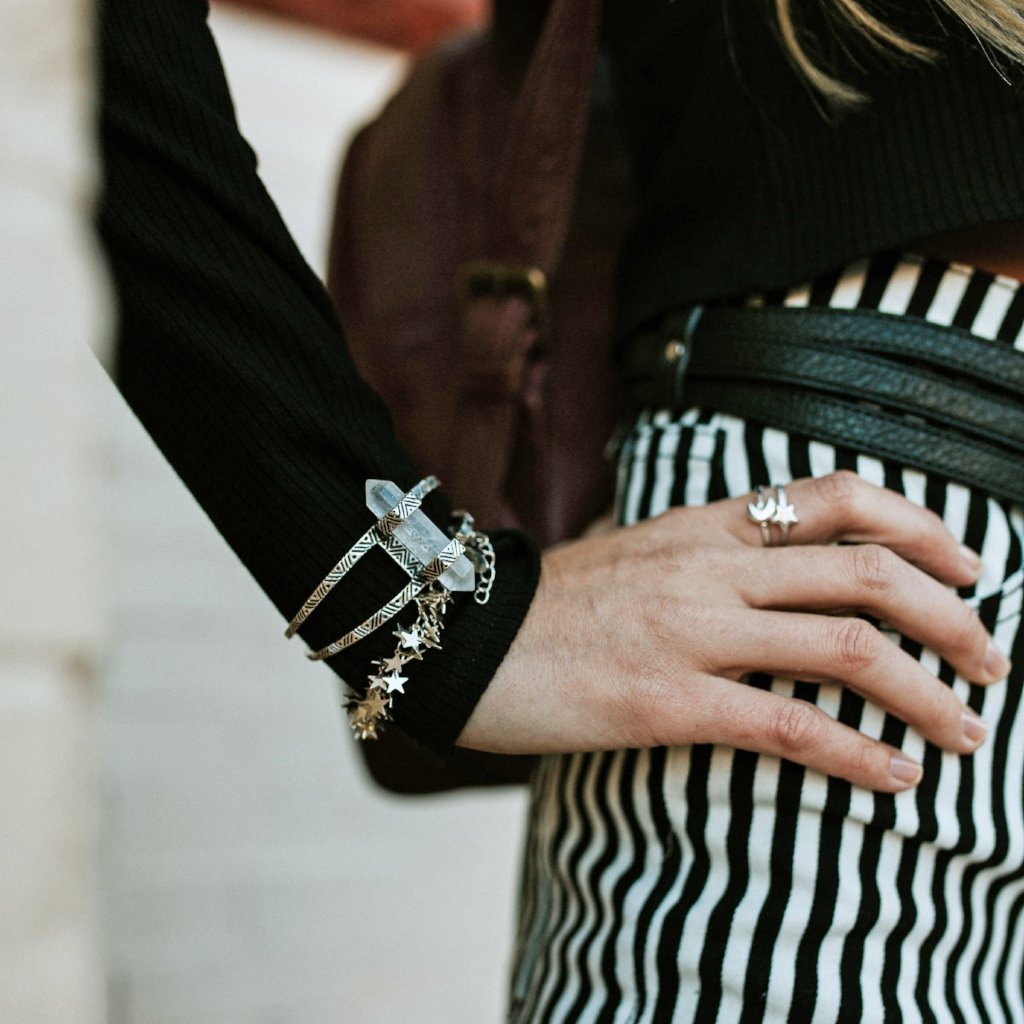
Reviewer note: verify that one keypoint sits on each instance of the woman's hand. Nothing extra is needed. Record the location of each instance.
(640, 637)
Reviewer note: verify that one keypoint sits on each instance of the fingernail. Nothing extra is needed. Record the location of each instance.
(997, 664)
(974, 729)
(904, 770)
(971, 559)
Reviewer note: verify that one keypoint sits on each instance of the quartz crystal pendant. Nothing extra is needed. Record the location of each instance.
(419, 535)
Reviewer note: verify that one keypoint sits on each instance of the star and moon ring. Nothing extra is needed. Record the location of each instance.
(772, 510)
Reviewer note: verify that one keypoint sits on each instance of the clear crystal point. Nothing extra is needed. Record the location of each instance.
(419, 535)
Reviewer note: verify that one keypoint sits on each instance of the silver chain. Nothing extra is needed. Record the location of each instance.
(480, 551)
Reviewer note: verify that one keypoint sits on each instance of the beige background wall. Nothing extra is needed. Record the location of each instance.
(251, 875)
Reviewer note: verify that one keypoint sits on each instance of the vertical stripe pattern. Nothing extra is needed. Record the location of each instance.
(704, 884)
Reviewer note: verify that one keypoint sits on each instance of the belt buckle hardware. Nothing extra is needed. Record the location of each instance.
(493, 279)
(676, 353)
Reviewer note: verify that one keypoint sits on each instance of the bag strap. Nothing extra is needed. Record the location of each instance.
(504, 314)
(535, 181)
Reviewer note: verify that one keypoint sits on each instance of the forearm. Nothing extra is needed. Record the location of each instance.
(230, 354)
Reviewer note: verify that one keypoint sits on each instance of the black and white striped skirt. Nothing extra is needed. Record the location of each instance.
(708, 884)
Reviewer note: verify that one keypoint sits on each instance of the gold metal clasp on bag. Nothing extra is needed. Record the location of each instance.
(490, 279)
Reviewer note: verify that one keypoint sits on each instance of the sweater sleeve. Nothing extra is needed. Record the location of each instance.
(230, 354)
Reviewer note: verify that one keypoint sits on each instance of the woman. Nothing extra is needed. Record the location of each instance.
(705, 882)
(636, 641)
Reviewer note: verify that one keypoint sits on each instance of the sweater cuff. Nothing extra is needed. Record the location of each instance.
(444, 687)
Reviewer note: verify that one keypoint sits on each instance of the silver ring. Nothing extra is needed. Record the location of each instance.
(772, 510)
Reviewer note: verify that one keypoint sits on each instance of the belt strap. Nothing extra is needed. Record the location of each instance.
(914, 390)
(937, 398)
(867, 330)
(873, 431)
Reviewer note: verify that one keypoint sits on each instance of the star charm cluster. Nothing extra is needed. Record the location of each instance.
(367, 714)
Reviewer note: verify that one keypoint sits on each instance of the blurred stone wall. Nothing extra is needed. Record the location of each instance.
(51, 466)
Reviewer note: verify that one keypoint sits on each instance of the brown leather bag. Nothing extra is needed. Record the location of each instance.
(453, 212)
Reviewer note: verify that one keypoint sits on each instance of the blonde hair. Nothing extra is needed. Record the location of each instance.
(997, 24)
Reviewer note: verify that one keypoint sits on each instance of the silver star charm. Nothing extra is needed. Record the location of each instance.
(785, 515)
(376, 704)
(410, 638)
(396, 682)
(431, 637)
(394, 663)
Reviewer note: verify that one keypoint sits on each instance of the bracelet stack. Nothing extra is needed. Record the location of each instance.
(437, 565)
(379, 533)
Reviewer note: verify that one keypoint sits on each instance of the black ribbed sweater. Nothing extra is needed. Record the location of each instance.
(230, 353)
(747, 182)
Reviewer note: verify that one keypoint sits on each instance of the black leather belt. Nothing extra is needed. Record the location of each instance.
(936, 398)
